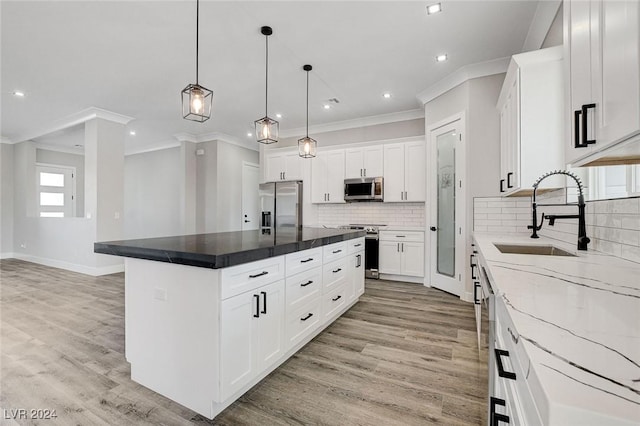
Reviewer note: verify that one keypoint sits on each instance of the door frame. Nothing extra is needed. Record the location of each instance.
(246, 164)
(461, 201)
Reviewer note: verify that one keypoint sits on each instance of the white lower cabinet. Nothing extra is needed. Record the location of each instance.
(356, 267)
(303, 321)
(252, 335)
(401, 253)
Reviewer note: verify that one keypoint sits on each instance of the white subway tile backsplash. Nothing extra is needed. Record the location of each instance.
(399, 214)
(612, 225)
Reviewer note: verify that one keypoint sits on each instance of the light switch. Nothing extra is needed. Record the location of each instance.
(116, 215)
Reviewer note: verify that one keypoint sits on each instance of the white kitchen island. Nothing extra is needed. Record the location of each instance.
(208, 316)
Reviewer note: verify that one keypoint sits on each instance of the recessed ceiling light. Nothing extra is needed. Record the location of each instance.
(441, 58)
(18, 94)
(278, 115)
(386, 95)
(132, 132)
(327, 106)
(434, 8)
(249, 134)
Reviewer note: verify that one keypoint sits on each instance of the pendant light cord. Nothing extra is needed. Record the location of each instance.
(266, 75)
(307, 104)
(197, 36)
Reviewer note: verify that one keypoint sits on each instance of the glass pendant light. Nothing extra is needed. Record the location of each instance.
(266, 128)
(197, 99)
(307, 146)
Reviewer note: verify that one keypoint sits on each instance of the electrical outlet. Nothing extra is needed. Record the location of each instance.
(200, 151)
(116, 215)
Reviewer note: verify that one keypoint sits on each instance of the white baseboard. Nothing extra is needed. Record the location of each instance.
(467, 297)
(7, 255)
(405, 278)
(73, 267)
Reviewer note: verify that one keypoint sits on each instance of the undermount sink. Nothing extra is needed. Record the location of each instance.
(542, 250)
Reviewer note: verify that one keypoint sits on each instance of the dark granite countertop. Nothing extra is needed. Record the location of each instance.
(223, 249)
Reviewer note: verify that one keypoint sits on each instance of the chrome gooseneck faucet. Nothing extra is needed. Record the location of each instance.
(583, 240)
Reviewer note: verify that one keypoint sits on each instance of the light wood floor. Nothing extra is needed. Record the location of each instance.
(403, 355)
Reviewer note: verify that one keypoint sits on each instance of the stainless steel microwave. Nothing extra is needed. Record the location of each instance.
(364, 189)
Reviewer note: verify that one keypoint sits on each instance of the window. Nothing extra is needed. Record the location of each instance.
(614, 182)
(55, 190)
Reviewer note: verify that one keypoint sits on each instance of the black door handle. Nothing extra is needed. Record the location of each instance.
(306, 284)
(337, 298)
(257, 314)
(335, 271)
(576, 129)
(264, 303)
(497, 417)
(501, 185)
(509, 180)
(501, 371)
(309, 315)
(476, 287)
(585, 116)
(246, 221)
(259, 275)
(307, 260)
(433, 228)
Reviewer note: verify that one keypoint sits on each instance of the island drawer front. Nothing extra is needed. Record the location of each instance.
(303, 260)
(355, 245)
(303, 321)
(387, 235)
(303, 287)
(334, 251)
(249, 276)
(509, 335)
(335, 273)
(334, 300)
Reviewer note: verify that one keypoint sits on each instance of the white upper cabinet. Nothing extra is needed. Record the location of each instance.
(283, 166)
(327, 177)
(364, 162)
(602, 66)
(531, 121)
(404, 172)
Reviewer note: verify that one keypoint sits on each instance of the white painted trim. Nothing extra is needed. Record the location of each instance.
(6, 140)
(8, 255)
(59, 148)
(73, 267)
(356, 122)
(402, 278)
(466, 296)
(542, 20)
(287, 149)
(166, 145)
(481, 69)
(217, 136)
(72, 120)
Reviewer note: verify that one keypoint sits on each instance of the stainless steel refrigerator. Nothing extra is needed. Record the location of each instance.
(281, 206)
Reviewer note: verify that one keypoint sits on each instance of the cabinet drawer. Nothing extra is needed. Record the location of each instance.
(355, 245)
(335, 273)
(249, 276)
(334, 251)
(401, 235)
(303, 261)
(303, 321)
(334, 300)
(303, 287)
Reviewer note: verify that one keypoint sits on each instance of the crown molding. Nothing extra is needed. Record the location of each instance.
(356, 122)
(546, 12)
(72, 120)
(6, 141)
(59, 148)
(158, 147)
(216, 136)
(468, 72)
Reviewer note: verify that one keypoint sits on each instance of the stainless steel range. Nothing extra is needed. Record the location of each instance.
(371, 258)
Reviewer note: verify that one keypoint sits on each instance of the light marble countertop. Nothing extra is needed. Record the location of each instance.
(579, 319)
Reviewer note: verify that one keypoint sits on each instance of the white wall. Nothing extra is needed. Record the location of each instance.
(6, 200)
(554, 35)
(66, 159)
(152, 193)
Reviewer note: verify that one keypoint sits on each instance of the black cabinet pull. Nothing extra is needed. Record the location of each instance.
(336, 251)
(471, 264)
(401, 236)
(335, 271)
(259, 275)
(307, 260)
(497, 417)
(257, 314)
(476, 287)
(576, 129)
(357, 245)
(501, 371)
(264, 303)
(309, 315)
(338, 297)
(501, 185)
(509, 180)
(358, 261)
(306, 284)
(585, 116)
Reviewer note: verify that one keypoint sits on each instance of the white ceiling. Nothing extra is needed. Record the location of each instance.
(134, 58)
